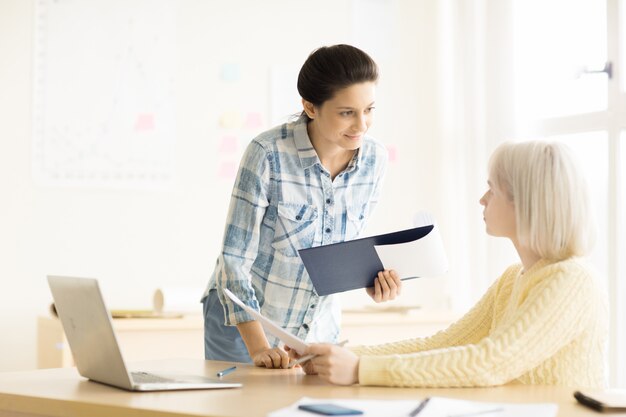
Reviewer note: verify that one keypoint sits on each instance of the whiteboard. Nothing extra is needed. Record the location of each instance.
(104, 99)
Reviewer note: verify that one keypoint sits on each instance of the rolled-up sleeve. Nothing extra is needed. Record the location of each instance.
(248, 203)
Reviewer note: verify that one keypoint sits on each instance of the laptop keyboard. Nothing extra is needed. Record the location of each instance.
(146, 378)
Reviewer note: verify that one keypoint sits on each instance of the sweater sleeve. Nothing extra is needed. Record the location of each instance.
(552, 314)
(470, 328)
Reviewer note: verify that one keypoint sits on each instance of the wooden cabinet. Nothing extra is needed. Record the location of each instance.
(139, 339)
(368, 327)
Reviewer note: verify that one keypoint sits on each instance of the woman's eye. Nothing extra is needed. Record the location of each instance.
(346, 113)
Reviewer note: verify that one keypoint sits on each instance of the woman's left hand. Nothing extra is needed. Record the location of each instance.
(334, 364)
(307, 366)
(387, 286)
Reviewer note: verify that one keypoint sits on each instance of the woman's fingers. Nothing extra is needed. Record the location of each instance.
(390, 285)
(378, 296)
(387, 286)
(384, 285)
(336, 365)
(272, 358)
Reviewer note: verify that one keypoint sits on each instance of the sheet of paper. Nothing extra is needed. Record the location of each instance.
(449, 407)
(424, 257)
(437, 407)
(377, 408)
(287, 338)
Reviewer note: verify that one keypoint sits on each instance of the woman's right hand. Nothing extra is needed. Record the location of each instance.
(259, 348)
(271, 358)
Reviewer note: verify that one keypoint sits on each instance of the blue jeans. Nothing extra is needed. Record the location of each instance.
(221, 343)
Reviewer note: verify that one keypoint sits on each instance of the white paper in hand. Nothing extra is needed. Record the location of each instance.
(287, 338)
(425, 257)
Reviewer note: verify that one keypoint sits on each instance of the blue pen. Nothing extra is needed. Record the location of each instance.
(226, 371)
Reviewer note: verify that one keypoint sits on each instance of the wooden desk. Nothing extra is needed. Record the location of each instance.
(62, 392)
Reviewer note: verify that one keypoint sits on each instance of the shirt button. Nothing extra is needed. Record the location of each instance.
(328, 201)
(328, 230)
(312, 305)
(305, 326)
(298, 217)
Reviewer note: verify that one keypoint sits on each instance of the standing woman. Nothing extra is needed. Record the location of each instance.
(302, 184)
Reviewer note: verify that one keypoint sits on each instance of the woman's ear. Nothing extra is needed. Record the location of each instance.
(309, 109)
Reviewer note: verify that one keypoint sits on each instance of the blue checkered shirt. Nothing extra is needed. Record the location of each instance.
(284, 200)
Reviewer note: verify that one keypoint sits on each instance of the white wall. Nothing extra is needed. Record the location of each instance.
(137, 240)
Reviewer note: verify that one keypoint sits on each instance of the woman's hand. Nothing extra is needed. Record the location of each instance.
(307, 366)
(334, 364)
(271, 358)
(387, 286)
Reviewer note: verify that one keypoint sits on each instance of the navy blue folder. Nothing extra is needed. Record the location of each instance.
(352, 264)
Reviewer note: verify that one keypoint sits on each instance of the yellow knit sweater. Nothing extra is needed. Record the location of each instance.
(545, 326)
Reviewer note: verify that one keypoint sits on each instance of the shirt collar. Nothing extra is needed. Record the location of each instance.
(306, 151)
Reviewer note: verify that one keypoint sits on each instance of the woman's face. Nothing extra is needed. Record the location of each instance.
(344, 119)
(499, 212)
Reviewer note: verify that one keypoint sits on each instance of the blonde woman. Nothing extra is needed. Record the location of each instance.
(543, 321)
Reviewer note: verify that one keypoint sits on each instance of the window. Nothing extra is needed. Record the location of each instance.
(568, 87)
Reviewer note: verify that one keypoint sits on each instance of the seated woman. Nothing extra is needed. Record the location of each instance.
(544, 321)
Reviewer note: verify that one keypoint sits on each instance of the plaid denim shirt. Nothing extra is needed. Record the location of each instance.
(284, 200)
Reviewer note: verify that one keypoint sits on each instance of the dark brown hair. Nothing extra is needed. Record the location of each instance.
(331, 68)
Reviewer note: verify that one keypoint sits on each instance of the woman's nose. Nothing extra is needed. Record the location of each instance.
(361, 122)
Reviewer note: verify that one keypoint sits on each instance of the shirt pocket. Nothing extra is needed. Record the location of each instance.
(295, 228)
(356, 217)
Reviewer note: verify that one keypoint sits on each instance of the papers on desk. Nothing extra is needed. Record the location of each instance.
(182, 300)
(287, 338)
(437, 407)
(167, 303)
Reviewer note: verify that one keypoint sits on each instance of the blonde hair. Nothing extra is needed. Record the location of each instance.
(552, 207)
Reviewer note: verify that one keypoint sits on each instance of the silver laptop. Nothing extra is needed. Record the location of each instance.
(89, 330)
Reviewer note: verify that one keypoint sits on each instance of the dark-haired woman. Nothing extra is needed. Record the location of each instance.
(302, 184)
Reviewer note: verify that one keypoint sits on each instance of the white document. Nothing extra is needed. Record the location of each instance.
(436, 407)
(423, 257)
(287, 338)
(378, 408)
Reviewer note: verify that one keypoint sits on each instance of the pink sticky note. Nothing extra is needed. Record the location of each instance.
(228, 144)
(393, 153)
(253, 120)
(144, 122)
(227, 170)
